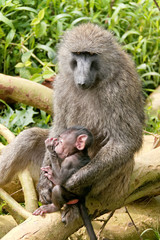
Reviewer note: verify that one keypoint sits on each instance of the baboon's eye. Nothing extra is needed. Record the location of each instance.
(73, 64)
(94, 65)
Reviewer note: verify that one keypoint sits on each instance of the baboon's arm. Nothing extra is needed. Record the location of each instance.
(101, 169)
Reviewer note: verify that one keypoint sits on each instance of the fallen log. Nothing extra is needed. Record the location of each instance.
(6, 224)
(27, 92)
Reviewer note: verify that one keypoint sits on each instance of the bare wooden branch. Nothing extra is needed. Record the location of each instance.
(30, 196)
(31, 201)
(8, 135)
(14, 205)
(27, 92)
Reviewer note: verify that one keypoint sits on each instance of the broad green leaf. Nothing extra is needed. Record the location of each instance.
(19, 65)
(6, 20)
(51, 52)
(24, 73)
(36, 77)
(26, 55)
(5, 120)
(47, 74)
(28, 63)
(24, 117)
(35, 21)
(40, 29)
(41, 14)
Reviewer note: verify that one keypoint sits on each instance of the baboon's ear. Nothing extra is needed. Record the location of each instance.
(81, 141)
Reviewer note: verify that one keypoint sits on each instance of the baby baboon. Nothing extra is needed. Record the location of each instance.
(97, 87)
(71, 148)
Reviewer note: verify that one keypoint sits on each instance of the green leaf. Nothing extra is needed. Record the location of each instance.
(60, 16)
(117, 10)
(51, 52)
(19, 65)
(2, 34)
(47, 74)
(24, 117)
(26, 55)
(28, 63)
(10, 37)
(35, 21)
(131, 32)
(151, 74)
(142, 66)
(27, 9)
(5, 118)
(41, 14)
(80, 19)
(25, 73)
(40, 29)
(76, 12)
(36, 77)
(6, 20)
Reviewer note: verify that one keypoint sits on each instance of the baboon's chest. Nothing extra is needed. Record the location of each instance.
(90, 115)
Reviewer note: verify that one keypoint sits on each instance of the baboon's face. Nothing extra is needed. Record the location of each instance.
(85, 67)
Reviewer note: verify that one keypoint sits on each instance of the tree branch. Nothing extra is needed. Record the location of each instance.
(145, 182)
(27, 185)
(27, 92)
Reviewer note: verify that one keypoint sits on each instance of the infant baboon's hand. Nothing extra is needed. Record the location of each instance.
(48, 173)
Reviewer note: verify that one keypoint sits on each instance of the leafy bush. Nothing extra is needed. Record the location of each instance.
(23, 116)
(30, 30)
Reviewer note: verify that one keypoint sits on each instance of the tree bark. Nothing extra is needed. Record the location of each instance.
(6, 224)
(27, 92)
(145, 215)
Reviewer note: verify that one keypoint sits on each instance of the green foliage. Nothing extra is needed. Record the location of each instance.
(2, 204)
(152, 121)
(30, 31)
(23, 116)
(155, 236)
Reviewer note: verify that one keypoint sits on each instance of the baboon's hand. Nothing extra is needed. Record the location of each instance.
(78, 183)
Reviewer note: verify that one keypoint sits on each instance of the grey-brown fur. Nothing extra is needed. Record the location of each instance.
(112, 109)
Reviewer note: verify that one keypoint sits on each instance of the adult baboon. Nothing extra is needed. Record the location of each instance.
(97, 87)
